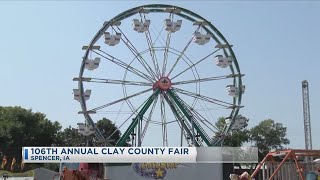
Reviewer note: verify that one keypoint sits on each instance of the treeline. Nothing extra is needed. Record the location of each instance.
(21, 127)
(267, 135)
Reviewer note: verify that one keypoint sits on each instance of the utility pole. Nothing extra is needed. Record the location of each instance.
(306, 118)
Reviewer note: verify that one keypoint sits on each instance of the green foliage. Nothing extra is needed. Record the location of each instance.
(268, 135)
(108, 128)
(70, 137)
(21, 127)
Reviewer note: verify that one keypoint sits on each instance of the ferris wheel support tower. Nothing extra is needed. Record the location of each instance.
(306, 115)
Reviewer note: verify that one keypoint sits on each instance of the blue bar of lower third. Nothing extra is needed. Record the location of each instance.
(25, 154)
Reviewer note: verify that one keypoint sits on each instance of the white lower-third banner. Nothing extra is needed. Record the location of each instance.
(109, 154)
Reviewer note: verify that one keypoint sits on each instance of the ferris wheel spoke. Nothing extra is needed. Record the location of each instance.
(120, 100)
(164, 121)
(186, 132)
(182, 53)
(205, 122)
(130, 117)
(193, 65)
(136, 53)
(153, 54)
(123, 65)
(188, 113)
(112, 81)
(166, 53)
(204, 79)
(144, 131)
(138, 119)
(204, 98)
(152, 50)
(118, 128)
(203, 119)
(158, 35)
(168, 40)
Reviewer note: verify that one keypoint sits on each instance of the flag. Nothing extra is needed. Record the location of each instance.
(4, 162)
(12, 164)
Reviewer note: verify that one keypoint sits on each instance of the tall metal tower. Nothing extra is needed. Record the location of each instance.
(306, 115)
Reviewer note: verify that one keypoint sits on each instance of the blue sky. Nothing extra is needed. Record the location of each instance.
(276, 44)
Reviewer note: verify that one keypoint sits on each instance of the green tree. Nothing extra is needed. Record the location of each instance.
(21, 127)
(268, 135)
(70, 137)
(109, 129)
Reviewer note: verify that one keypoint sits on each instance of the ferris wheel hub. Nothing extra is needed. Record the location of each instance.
(164, 83)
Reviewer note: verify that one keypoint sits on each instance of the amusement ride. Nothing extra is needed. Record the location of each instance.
(161, 73)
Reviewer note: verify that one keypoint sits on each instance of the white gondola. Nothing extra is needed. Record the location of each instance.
(112, 40)
(146, 25)
(236, 126)
(92, 64)
(228, 122)
(167, 24)
(228, 61)
(139, 26)
(232, 90)
(197, 37)
(207, 38)
(85, 129)
(219, 60)
(201, 39)
(136, 24)
(177, 25)
(172, 26)
(77, 94)
(222, 62)
(243, 88)
(239, 123)
(87, 94)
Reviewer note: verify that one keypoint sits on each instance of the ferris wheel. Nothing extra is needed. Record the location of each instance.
(163, 75)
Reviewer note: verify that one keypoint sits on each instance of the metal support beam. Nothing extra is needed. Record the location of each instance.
(181, 119)
(279, 166)
(188, 115)
(138, 118)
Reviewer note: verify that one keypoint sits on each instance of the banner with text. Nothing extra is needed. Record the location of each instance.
(140, 154)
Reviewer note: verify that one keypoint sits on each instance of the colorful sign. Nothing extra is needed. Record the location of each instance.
(153, 170)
